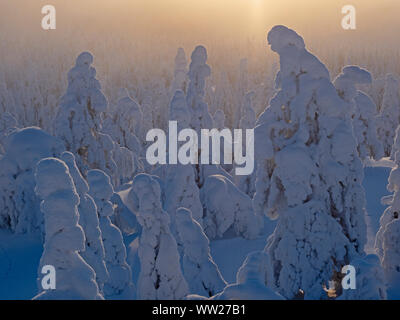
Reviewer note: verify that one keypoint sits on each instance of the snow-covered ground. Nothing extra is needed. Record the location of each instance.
(20, 254)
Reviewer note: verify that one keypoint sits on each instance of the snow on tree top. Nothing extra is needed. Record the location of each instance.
(52, 175)
(80, 183)
(281, 36)
(198, 66)
(84, 59)
(27, 146)
(100, 184)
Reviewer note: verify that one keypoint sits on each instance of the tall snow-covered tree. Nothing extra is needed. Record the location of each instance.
(199, 268)
(79, 120)
(119, 284)
(199, 70)
(64, 237)
(93, 253)
(389, 117)
(309, 174)
(19, 205)
(362, 110)
(160, 273)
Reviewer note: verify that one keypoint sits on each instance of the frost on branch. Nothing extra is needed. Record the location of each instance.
(308, 174)
(160, 273)
(64, 237)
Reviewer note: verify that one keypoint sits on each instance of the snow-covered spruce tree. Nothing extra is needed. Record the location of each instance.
(389, 117)
(79, 120)
(388, 236)
(251, 282)
(370, 280)
(180, 72)
(227, 218)
(123, 126)
(247, 184)
(199, 70)
(160, 273)
(93, 253)
(19, 205)
(201, 118)
(362, 111)
(119, 284)
(308, 174)
(64, 237)
(180, 188)
(199, 268)
(178, 110)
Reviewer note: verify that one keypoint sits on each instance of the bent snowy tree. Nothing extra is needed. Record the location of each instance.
(309, 174)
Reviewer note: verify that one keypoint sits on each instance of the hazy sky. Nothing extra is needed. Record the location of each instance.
(200, 16)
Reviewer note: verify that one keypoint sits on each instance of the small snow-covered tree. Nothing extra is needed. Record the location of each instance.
(251, 282)
(234, 217)
(19, 205)
(199, 268)
(309, 174)
(79, 120)
(362, 110)
(64, 237)
(93, 253)
(370, 280)
(389, 117)
(180, 72)
(119, 284)
(160, 273)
